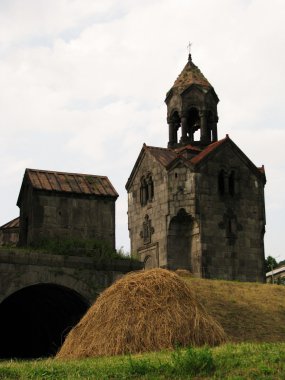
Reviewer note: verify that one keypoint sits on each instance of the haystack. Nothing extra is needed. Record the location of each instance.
(143, 311)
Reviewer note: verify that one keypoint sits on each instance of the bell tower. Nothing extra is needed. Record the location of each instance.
(191, 109)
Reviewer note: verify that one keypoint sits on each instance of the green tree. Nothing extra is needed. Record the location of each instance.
(270, 263)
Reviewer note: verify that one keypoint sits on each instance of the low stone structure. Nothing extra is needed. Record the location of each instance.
(66, 205)
(9, 233)
(198, 204)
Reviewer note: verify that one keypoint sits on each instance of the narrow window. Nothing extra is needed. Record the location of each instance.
(221, 182)
(143, 192)
(232, 183)
(229, 226)
(146, 190)
(150, 188)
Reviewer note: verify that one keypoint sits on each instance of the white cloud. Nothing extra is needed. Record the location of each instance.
(83, 84)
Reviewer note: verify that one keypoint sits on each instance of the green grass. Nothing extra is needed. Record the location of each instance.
(229, 362)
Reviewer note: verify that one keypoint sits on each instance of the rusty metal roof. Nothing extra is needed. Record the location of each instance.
(210, 148)
(163, 155)
(70, 182)
(12, 224)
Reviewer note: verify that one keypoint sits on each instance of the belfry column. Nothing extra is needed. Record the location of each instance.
(203, 126)
(172, 134)
(214, 129)
(184, 129)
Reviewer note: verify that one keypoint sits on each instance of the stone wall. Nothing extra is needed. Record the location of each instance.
(232, 223)
(9, 236)
(45, 215)
(147, 223)
(19, 270)
(173, 191)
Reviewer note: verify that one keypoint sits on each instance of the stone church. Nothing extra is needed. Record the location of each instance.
(199, 203)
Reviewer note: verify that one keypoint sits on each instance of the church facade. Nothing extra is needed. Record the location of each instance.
(197, 204)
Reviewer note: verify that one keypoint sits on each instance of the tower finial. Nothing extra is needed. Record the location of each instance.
(189, 51)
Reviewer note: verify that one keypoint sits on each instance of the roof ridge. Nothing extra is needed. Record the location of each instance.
(70, 173)
(64, 182)
(159, 147)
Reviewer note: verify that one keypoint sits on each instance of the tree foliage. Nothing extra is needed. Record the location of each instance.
(270, 264)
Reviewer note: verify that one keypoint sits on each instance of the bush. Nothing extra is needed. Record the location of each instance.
(193, 361)
(100, 250)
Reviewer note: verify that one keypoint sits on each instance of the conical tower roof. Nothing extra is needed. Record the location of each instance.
(191, 74)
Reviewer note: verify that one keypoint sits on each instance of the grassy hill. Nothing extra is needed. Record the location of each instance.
(248, 312)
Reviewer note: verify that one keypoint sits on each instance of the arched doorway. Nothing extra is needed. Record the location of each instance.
(179, 241)
(35, 320)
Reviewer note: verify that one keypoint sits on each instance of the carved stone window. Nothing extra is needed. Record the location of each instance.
(227, 185)
(221, 182)
(232, 184)
(143, 191)
(146, 189)
(147, 230)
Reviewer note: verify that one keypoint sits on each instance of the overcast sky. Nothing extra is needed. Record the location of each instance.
(83, 83)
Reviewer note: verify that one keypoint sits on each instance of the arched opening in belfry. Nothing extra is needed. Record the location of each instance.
(35, 320)
(179, 241)
(193, 124)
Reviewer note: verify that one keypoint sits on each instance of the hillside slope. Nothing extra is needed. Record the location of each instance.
(249, 312)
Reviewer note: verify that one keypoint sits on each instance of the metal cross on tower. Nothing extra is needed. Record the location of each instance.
(189, 51)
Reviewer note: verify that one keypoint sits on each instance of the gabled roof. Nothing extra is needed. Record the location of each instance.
(163, 155)
(14, 223)
(205, 152)
(190, 156)
(212, 148)
(62, 182)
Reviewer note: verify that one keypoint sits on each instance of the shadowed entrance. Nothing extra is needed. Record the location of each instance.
(35, 320)
(179, 241)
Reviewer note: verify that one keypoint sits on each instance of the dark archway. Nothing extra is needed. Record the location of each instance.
(179, 241)
(35, 320)
(193, 124)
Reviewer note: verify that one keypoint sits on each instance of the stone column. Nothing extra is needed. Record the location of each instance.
(184, 129)
(171, 134)
(214, 129)
(203, 126)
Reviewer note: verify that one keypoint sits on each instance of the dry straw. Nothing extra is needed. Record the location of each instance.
(143, 311)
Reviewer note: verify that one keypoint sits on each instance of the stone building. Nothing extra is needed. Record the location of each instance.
(54, 204)
(199, 203)
(9, 233)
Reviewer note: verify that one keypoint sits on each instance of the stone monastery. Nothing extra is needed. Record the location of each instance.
(199, 203)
